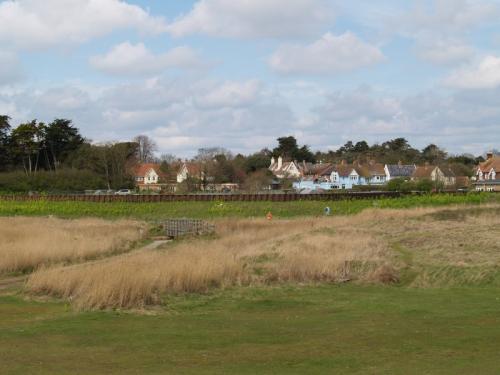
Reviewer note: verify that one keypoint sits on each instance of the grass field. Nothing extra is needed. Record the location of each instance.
(413, 291)
(423, 247)
(210, 210)
(286, 330)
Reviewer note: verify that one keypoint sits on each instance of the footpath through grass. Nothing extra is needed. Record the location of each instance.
(326, 329)
(210, 210)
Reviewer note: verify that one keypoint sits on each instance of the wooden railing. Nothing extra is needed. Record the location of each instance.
(267, 197)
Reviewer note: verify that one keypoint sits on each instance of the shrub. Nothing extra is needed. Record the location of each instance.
(65, 180)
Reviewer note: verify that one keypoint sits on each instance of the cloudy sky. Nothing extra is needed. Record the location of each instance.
(240, 73)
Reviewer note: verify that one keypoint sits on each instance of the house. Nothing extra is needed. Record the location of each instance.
(439, 175)
(488, 174)
(287, 169)
(190, 169)
(310, 169)
(400, 170)
(149, 176)
(450, 178)
(374, 173)
(342, 176)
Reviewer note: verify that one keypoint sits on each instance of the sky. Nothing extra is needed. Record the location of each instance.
(240, 73)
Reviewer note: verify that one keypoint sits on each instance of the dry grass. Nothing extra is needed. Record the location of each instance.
(27, 243)
(249, 252)
(245, 252)
(461, 250)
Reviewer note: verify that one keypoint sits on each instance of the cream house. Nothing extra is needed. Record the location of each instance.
(188, 169)
(282, 169)
(147, 174)
(488, 174)
(436, 174)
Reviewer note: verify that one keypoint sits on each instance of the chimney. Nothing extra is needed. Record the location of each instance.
(272, 162)
(280, 162)
(489, 155)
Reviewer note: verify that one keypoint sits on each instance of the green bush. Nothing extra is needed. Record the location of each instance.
(425, 185)
(67, 180)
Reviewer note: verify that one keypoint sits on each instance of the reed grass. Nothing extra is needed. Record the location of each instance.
(27, 243)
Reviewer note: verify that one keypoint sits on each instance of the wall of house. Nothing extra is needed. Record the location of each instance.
(342, 183)
(151, 178)
(487, 187)
(182, 175)
(381, 180)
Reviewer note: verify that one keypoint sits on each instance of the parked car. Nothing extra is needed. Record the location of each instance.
(124, 192)
(103, 192)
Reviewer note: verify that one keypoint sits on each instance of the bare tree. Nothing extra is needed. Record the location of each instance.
(208, 154)
(146, 148)
(168, 158)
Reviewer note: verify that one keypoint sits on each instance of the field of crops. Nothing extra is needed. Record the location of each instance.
(209, 210)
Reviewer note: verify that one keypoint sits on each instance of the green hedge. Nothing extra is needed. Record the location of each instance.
(67, 180)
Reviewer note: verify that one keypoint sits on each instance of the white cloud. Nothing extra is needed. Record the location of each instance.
(451, 121)
(485, 75)
(170, 111)
(10, 68)
(35, 24)
(136, 59)
(254, 18)
(231, 94)
(449, 16)
(441, 28)
(238, 115)
(329, 55)
(444, 51)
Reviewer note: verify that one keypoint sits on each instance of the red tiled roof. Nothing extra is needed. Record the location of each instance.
(142, 169)
(424, 171)
(493, 162)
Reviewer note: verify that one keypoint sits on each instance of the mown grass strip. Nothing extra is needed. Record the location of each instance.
(212, 210)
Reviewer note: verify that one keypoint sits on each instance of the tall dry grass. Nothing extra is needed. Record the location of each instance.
(26, 243)
(245, 252)
(255, 252)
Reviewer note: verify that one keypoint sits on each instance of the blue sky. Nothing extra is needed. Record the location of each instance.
(240, 73)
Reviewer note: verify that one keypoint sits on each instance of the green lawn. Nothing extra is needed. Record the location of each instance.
(324, 329)
(207, 210)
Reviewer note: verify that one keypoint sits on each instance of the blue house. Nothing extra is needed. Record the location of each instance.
(342, 176)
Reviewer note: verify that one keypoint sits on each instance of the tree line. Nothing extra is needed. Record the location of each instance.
(56, 157)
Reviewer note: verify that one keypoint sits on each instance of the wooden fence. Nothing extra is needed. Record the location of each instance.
(266, 197)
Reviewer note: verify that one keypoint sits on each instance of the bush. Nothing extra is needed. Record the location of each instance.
(425, 185)
(67, 180)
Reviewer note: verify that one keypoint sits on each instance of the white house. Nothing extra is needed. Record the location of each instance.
(188, 169)
(147, 174)
(288, 169)
(488, 173)
(399, 170)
